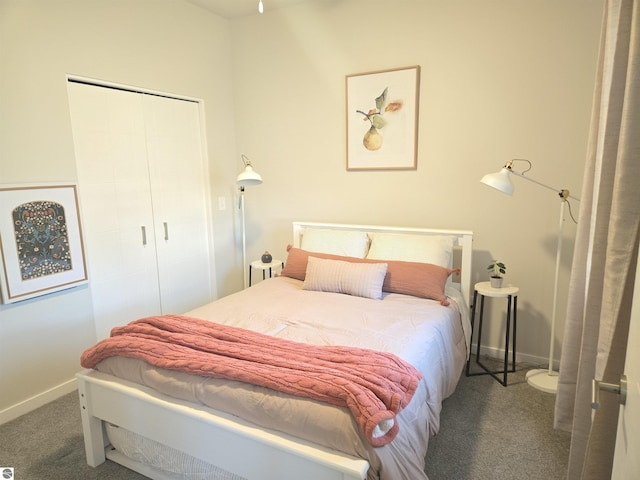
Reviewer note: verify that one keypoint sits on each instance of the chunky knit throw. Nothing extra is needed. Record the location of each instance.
(374, 386)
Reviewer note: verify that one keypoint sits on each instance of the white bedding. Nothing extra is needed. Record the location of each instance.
(432, 337)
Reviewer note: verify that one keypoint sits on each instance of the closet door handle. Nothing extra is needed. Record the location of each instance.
(166, 231)
(144, 235)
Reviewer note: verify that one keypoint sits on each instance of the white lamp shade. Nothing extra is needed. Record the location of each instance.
(500, 181)
(248, 177)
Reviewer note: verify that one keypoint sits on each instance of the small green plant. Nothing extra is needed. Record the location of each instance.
(497, 269)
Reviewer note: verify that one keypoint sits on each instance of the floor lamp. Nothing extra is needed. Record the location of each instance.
(545, 380)
(247, 178)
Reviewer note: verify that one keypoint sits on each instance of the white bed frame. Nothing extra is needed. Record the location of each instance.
(223, 440)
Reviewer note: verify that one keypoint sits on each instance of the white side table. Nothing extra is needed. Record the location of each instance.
(510, 292)
(260, 265)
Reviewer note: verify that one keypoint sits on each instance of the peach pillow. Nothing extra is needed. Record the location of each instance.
(423, 280)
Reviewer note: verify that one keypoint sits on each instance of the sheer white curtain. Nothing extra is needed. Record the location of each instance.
(602, 277)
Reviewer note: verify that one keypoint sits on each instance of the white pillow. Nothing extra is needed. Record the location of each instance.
(434, 249)
(360, 279)
(335, 242)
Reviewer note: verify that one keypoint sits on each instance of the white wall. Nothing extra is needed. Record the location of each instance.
(165, 45)
(499, 80)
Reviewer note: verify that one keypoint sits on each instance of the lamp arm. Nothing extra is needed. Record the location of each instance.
(562, 192)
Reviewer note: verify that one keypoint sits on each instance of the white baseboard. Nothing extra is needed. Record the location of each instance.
(37, 401)
(533, 360)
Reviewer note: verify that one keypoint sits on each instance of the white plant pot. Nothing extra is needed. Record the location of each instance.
(496, 282)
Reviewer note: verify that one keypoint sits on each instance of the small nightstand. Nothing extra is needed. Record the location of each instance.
(259, 265)
(484, 289)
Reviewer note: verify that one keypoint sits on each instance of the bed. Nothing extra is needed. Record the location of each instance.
(170, 424)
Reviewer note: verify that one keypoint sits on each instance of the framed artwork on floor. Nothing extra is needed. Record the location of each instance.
(382, 119)
(41, 245)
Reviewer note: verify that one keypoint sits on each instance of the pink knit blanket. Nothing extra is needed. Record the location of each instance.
(374, 386)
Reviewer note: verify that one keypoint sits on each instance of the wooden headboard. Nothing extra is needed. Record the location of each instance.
(462, 254)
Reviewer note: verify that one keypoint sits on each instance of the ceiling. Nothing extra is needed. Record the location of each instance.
(241, 8)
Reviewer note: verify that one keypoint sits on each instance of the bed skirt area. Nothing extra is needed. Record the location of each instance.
(142, 452)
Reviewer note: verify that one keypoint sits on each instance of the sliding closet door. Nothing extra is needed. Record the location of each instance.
(115, 199)
(142, 189)
(179, 198)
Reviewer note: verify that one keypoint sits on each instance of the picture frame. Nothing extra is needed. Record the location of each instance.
(41, 244)
(382, 119)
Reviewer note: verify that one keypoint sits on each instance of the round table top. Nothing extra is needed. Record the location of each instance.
(260, 264)
(485, 288)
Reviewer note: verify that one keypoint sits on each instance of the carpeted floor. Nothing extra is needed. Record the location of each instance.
(487, 432)
(47, 444)
(491, 432)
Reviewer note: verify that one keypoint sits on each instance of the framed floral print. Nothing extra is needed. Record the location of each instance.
(40, 241)
(382, 119)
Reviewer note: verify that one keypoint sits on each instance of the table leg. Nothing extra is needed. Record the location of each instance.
(473, 317)
(479, 337)
(506, 342)
(515, 320)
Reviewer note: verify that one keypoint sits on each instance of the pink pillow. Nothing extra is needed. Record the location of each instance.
(423, 280)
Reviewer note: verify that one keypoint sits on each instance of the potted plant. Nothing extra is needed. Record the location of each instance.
(496, 271)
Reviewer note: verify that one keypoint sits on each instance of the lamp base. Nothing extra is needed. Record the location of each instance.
(543, 380)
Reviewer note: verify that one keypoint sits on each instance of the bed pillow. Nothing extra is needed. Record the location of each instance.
(422, 280)
(336, 242)
(358, 279)
(435, 249)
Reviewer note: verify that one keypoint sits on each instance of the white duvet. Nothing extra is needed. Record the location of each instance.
(431, 337)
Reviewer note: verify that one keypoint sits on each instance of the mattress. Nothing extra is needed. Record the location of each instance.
(432, 337)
